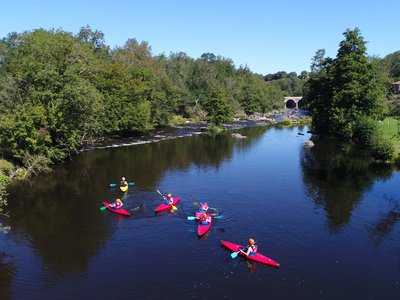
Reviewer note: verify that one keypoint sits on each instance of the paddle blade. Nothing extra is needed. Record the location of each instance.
(174, 207)
(195, 203)
(234, 254)
(131, 183)
(219, 217)
(191, 218)
(113, 184)
(103, 208)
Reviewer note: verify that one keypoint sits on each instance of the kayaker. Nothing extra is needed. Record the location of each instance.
(251, 249)
(203, 207)
(169, 199)
(117, 204)
(123, 182)
(205, 219)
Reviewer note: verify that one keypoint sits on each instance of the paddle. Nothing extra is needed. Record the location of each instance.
(165, 198)
(103, 208)
(114, 184)
(191, 218)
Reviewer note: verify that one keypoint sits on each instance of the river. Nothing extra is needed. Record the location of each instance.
(328, 218)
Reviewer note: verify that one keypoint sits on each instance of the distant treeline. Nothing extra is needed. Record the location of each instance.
(59, 91)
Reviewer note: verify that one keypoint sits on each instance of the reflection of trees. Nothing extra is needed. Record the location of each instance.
(7, 271)
(61, 221)
(59, 212)
(386, 222)
(336, 174)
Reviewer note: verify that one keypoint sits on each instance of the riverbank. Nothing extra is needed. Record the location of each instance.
(285, 117)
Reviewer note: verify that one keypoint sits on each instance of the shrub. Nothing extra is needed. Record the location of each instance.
(381, 148)
(364, 130)
(285, 122)
(178, 120)
(215, 129)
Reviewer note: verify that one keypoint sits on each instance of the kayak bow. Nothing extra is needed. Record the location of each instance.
(202, 229)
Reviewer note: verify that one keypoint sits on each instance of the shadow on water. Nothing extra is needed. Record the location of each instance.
(7, 271)
(336, 174)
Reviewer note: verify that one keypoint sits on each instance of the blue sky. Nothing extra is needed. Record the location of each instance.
(267, 36)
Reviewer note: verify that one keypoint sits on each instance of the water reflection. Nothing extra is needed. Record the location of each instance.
(59, 212)
(7, 271)
(336, 174)
(386, 221)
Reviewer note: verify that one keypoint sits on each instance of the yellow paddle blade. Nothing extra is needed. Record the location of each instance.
(174, 207)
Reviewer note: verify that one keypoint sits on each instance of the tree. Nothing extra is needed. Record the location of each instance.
(89, 37)
(217, 107)
(341, 91)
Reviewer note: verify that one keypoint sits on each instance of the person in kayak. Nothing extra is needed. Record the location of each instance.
(202, 207)
(251, 249)
(169, 199)
(205, 219)
(117, 204)
(123, 182)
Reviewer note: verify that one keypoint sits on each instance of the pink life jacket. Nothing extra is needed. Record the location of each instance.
(118, 205)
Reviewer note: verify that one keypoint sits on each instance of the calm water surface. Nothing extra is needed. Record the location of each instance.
(331, 221)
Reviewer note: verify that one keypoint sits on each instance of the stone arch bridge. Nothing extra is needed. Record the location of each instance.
(292, 102)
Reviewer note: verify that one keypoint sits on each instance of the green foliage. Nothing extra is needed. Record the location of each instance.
(215, 129)
(6, 169)
(342, 91)
(364, 130)
(382, 149)
(178, 120)
(285, 122)
(290, 84)
(217, 107)
(59, 92)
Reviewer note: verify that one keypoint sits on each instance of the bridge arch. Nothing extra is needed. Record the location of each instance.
(292, 102)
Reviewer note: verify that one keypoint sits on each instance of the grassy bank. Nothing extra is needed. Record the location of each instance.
(389, 129)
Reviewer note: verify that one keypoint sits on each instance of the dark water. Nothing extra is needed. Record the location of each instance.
(331, 221)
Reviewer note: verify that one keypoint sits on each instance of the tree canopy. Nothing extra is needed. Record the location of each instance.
(60, 91)
(342, 91)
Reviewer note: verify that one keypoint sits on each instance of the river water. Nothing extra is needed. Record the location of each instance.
(329, 219)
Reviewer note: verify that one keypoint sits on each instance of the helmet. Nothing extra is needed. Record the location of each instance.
(118, 200)
(169, 195)
(204, 215)
(123, 178)
(201, 203)
(251, 242)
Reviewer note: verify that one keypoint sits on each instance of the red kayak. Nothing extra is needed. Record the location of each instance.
(120, 211)
(164, 206)
(202, 229)
(258, 257)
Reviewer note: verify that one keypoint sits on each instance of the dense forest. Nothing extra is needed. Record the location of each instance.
(59, 91)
